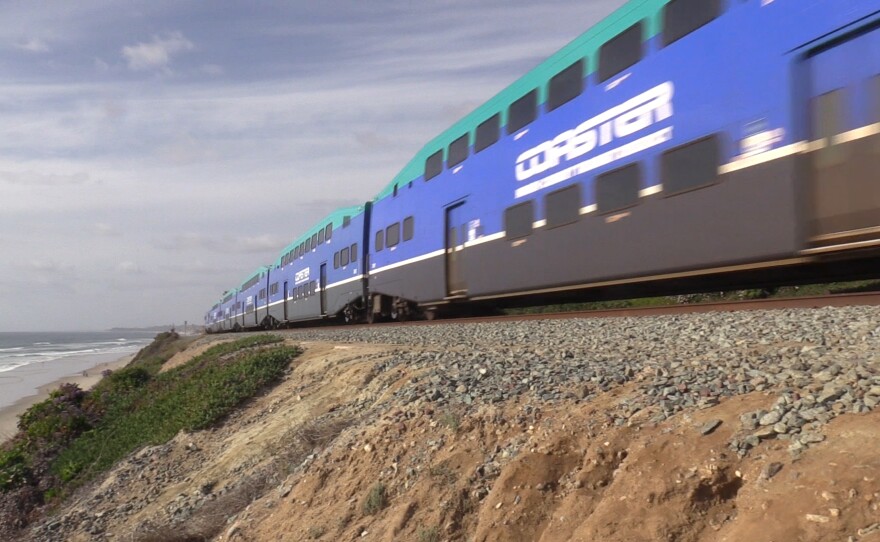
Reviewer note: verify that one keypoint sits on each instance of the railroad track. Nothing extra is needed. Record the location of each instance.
(806, 302)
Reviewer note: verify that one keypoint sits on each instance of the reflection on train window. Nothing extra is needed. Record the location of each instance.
(875, 95)
(618, 189)
(566, 85)
(314, 240)
(312, 288)
(563, 206)
(335, 260)
(354, 252)
(681, 17)
(343, 257)
(488, 132)
(434, 165)
(518, 220)
(522, 112)
(380, 240)
(328, 232)
(829, 119)
(408, 228)
(392, 234)
(691, 166)
(346, 220)
(458, 151)
(620, 52)
(321, 236)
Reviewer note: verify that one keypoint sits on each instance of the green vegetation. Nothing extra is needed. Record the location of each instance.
(376, 501)
(712, 297)
(429, 534)
(74, 434)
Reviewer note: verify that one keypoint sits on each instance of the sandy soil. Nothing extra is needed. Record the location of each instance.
(9, 415)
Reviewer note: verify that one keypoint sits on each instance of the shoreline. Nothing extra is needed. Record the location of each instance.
(9, 414)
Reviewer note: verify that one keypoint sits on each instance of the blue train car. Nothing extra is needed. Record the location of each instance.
(674, 139)
(321, 274)
(247, 304)
(225, 319)
(213, 319)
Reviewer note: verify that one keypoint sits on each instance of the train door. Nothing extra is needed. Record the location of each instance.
(455, 238)
(323, 286)
(284, 304)
(844, 148)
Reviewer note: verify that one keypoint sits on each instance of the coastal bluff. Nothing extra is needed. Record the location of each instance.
(578, 430)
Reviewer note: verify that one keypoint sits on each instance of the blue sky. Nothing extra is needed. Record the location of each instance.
(152, 154)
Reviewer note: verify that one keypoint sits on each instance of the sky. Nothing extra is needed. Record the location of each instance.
(153, 154)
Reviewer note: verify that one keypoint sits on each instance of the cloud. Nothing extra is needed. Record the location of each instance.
(212, 69)
(106, 230)
(33, 45)
(33, 178)
(239, 244)
(155, 55)
(101, 66)
(128, 268)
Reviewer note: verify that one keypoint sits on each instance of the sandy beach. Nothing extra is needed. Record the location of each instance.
(26, 379)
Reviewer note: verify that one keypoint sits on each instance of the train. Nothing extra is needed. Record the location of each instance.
(676, 146)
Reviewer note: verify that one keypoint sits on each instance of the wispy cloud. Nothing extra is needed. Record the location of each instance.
(33, 45)
(34, 178)
(232, 244)
(156, 54)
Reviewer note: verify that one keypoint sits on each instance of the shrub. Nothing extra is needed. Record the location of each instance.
(376, 500)
(429, 534)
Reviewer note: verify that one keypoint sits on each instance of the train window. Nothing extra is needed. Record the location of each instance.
(392, 234)
(314, 241)
(522, 112)
(518, 220)
(321, 236)
(434, 165)
(829, 114)
(620, 52)
(563, 206)
(458, 150)
(335, 260)
(488, 132)
(354, 252)
(346, 220)
(284, 260)
(875, 91)
(380, 240)
(566, 85)
(691, 166)
(312, 288)
(301, 292)
(395, 190)
(408, 228)
(618, 189)
(308, 245)
(328, 232)
(681, 17)
(343, 257)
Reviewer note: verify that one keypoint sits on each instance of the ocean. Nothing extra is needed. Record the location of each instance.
(22, 349)
(31, 360)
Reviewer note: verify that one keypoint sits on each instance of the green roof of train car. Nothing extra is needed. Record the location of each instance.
(585, 46)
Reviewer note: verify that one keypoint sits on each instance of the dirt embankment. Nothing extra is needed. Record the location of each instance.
(331, 454)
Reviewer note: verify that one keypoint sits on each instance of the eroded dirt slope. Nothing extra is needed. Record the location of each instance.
(336, 453)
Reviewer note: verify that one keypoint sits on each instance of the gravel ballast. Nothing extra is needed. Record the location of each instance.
(819, 363)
